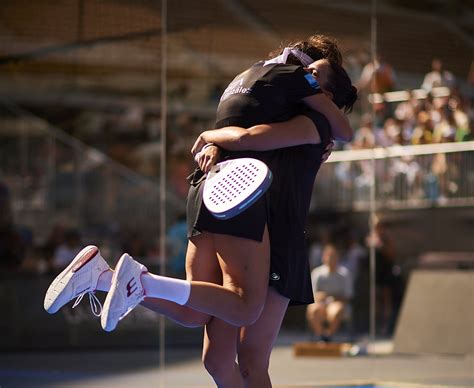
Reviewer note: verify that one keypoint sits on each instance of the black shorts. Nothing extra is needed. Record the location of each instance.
(249, 224)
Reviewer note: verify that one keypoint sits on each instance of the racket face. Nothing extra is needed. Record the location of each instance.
(233, 186)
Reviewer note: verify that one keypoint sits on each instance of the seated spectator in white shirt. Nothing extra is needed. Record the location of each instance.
(332, 287)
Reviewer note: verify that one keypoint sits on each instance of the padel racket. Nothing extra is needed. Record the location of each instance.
(234, 185)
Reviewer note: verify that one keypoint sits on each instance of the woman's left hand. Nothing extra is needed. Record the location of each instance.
(208, 158)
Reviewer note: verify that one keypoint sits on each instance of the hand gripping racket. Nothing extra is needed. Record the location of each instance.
(232, 186)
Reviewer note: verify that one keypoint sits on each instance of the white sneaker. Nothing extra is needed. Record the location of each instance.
(125, 293)
(80, 277)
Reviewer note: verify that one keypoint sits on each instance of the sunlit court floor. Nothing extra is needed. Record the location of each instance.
(183, 368)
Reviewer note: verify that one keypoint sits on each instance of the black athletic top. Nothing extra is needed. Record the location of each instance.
(266, 94)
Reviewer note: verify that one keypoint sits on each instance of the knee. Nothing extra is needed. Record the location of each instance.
(216, 365)
(193, 322)
(253, 363)
(192, 319)
(248, 315)
(335, 310)
(315, 311)
(211, 363)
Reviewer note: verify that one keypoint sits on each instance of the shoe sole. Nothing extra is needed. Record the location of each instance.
(56, 288)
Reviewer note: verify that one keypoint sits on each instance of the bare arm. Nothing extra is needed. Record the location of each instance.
(340, 127)
(296, 131)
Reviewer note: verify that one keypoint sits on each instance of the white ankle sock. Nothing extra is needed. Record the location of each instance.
(174, 290)
(104, 281)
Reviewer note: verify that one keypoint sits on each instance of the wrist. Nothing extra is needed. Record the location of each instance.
(205, 137)
(207, 145)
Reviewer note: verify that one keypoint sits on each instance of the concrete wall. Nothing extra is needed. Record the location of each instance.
(437, 314)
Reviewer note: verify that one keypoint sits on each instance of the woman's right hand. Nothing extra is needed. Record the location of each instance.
(328, 151)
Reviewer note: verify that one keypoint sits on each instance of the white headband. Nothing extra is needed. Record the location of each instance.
(305, 60)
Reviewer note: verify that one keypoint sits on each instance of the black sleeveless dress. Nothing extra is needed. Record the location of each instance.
(265, 94)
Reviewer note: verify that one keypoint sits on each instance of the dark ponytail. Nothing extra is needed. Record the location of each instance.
(340, 85)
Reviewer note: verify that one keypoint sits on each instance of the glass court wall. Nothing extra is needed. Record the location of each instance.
(101, 101)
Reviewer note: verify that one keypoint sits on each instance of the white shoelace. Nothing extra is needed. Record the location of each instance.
(96, 306)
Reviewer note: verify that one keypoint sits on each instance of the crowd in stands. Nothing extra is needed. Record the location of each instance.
(414, 120)
(441, 110)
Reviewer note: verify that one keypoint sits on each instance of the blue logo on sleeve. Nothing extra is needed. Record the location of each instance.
(312, 81)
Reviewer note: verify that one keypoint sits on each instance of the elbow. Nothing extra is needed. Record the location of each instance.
(345, 137)
(235, 141)
(343, 132)
(349, 137)
(348, 134)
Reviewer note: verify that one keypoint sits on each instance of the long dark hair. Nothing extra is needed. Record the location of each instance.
(325, 47)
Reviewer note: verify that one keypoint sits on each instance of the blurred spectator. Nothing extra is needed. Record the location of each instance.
(354, 253)
(461, 119)
(332, 287)
(377, 76)
(66, 251)
(405, 175)
(389, 134)
(177, 244)
(387, 276)
(323, 237)
(442, 178)
(406, 111)
(364, 136)
(358, 174)
(438, 76)
(445, 129)
(423, 131)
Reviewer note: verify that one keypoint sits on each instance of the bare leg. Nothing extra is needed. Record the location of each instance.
(257, 340)
(316, 316)
(219, 353)
(245, 264)
(201, 264)
(335, 314)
